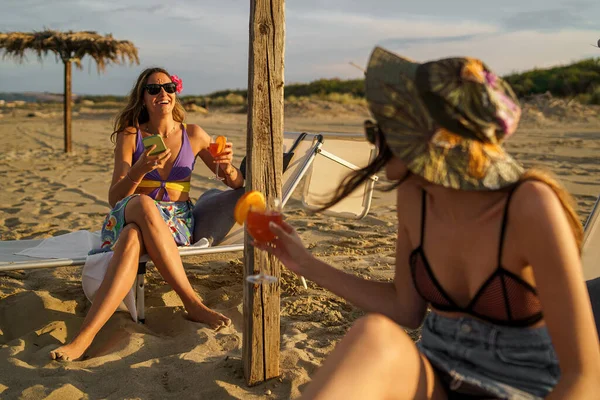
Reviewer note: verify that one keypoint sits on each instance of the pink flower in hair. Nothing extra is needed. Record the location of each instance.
(178, 82)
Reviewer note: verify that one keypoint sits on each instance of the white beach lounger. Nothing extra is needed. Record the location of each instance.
(341, 153)
(590, 252)
(590, 259)
(337, 154)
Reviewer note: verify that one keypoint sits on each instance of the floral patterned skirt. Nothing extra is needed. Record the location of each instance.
(177, 215)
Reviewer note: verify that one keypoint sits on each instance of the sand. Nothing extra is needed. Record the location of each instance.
(46, 193)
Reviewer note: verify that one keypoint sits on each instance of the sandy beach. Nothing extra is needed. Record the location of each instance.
(46, 192)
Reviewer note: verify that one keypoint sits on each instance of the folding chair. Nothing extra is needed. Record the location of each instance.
(306, 149)
(590, 260)
(340, 153)
(590, 252)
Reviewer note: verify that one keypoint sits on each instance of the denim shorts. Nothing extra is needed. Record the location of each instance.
(479, 359)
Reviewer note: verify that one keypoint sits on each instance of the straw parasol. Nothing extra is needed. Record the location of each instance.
(70, 47)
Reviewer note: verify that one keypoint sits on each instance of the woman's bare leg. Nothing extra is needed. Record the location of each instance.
(375, 360)
(162, 249)
(116, 283)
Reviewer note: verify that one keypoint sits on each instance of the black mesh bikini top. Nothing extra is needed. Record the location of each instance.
(504, 298)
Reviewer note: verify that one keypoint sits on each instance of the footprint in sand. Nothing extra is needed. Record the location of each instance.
(11, 210)
(12, 222)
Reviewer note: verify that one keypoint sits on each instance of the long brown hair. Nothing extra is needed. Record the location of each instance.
(134, 114)
(566, 199)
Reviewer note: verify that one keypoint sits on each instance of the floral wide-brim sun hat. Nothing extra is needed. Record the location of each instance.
(445, 119)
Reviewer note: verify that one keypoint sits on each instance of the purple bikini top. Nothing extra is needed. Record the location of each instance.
(182, 167)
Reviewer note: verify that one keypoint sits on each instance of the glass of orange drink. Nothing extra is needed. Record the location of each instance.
(252, 209)
(215, 148)
(258, 222)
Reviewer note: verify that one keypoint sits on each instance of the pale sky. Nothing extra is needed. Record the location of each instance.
(205, 42)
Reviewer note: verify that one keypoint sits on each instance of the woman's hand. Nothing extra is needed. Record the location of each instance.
(288, 248)
(233, 177)
(147, 163)
(225, 158)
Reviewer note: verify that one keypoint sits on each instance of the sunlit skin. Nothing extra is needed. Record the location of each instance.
(146, 231)
(378, 360)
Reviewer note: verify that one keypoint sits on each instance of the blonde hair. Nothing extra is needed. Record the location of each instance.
(134, 114)
(566, 200)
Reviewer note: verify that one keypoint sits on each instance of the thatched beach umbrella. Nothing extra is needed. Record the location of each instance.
(70, 47)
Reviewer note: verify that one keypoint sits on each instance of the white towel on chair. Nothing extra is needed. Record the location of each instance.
(71, 245)
(92, 276)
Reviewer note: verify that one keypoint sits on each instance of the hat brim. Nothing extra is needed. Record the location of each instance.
(408, 127)
(462, 167)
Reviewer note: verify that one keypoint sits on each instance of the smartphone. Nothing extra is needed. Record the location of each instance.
(158, 141)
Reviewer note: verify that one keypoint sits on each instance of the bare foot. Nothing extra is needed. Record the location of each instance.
(71, 351)
(200, 313)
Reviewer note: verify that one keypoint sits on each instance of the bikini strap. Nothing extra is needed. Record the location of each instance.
(504, 223)
(423, 205)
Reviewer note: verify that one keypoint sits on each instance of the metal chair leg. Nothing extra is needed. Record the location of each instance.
(139, 292)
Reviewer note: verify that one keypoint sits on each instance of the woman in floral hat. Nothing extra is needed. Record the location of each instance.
(490, 248)
(152, 211)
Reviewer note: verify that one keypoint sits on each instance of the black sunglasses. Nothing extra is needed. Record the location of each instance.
(154, 88)
(371, 131)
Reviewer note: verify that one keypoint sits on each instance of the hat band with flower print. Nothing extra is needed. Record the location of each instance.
(445, 119)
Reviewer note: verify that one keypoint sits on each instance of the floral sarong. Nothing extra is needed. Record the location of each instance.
(177, 215)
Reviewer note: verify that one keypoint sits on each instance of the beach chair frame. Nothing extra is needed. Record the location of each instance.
(590, 251)
(9, 261)
(338, 155)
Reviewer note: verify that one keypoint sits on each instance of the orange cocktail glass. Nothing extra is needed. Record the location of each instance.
(257, 224)
(215, 148)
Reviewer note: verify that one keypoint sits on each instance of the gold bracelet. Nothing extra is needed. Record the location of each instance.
(131, 179)
(232, 171)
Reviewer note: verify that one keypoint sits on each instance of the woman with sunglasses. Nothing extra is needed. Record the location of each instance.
(490, 248)
(152, 211)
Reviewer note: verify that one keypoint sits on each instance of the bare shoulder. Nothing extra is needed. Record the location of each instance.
(199, 139)
(535, 201)
(126, 136)
(130, 130)
(409, 195)
(195, 131)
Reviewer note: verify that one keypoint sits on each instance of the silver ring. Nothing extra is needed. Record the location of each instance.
(155, 163)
